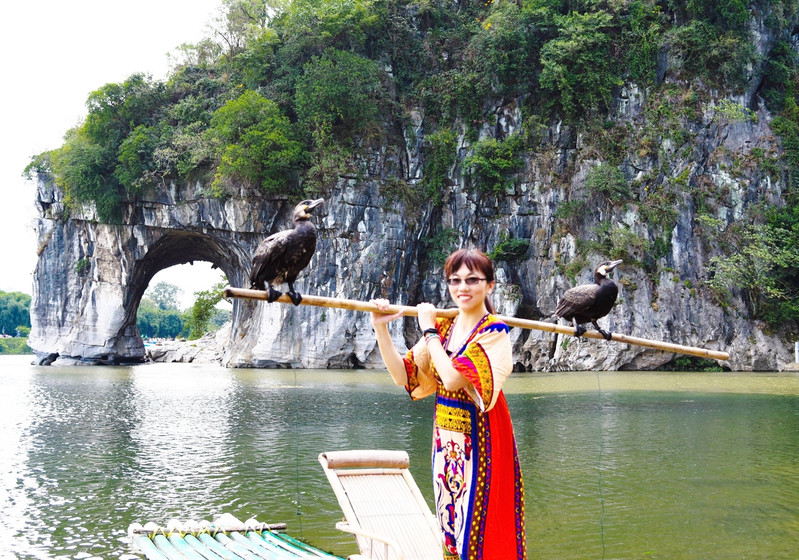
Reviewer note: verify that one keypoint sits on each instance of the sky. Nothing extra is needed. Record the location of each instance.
(54, 53)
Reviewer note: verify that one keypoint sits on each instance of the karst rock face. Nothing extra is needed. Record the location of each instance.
(91, 276)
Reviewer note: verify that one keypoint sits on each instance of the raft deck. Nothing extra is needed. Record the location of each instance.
(227, 538)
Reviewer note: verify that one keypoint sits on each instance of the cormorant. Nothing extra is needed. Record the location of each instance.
(590, 302)
(282, 256)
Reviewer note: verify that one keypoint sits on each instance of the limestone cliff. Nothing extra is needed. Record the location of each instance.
(91, 276)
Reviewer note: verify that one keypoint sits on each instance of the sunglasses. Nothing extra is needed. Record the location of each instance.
(470, 281)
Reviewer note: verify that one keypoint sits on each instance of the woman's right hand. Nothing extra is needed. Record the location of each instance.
(379, 319)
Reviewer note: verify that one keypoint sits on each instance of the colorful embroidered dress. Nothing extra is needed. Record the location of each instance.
(478, 488)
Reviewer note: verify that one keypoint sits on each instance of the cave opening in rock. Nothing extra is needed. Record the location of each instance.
(164, 282)
(166, 307)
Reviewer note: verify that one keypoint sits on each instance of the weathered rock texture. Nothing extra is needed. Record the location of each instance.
(91, 276)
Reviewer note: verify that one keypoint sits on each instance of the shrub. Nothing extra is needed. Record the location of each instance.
(81, 167)
(454, 94)
(757, 266)
(659, 208)
(440, 245)
(505, 51)
(725, 14)
(619, 242)
(135, 158)
(113, 143)
(568, 209)
(509, 248)
(731, 112)
(256, 143)
(780, 76)
(493, 161)
(340, 89)
(642, 38)
(200, 315)
(440, 155)
(608, 181)
(718, 57)
(576, 71)
(82, 266)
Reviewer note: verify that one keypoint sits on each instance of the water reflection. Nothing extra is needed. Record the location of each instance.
(616, 465)
(16, 412)
(660, 475)
(180, 438)
(71, 458)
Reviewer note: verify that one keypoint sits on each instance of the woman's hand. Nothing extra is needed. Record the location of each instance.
(379, 319)
(427, 316)
(393, 360)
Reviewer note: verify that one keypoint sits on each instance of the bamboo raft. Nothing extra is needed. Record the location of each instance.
(225, 539)
(356, 305)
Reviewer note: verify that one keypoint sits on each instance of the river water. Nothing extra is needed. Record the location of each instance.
(617, 465)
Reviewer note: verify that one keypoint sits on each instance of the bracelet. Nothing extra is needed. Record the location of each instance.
(430, 337)
(430, 334)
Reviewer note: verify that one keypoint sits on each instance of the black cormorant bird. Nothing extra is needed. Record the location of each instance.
(590, 302)
(282, 256)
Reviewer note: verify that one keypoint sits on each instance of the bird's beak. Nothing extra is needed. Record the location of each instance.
(314, 204)
(613, 264)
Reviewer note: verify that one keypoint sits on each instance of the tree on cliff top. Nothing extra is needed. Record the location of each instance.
(255, 143)
(450, 61)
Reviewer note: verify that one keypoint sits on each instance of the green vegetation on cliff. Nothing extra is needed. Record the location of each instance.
(285, 96)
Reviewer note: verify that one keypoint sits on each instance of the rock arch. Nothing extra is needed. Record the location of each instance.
(184, 247)
(90, 276)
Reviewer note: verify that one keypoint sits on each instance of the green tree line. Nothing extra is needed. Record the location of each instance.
(15, 322)
(158, 315)
(283, 96)
(15, 316)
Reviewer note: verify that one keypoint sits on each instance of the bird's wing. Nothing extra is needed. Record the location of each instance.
(271, 251)
(576, 299)
(300, 255)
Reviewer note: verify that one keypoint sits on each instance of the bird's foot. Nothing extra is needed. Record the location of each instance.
(606, 334)
(296, 298)
(273, 295)
(579, 330)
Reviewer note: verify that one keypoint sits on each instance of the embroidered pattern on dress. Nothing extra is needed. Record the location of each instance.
(454, 419)
(477, 361)
(413, 376)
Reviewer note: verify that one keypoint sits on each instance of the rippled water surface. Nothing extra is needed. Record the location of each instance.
(616, 465)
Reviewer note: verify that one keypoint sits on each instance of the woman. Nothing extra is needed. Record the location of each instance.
(479, 496)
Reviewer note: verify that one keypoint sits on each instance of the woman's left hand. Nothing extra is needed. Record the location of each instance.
(426, 315)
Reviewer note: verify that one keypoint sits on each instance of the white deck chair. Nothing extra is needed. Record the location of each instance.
(382, 505)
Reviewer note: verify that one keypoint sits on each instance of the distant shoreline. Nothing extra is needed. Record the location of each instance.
(13, 346)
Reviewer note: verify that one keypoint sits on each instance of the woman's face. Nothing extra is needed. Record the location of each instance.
(466, 296)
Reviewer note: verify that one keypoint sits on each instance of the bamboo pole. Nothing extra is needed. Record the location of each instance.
(357, 305)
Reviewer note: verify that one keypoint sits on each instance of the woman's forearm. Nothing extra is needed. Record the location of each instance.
(450, 377)
(391, 357)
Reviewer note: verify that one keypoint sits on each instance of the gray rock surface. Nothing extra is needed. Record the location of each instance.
(91, 276)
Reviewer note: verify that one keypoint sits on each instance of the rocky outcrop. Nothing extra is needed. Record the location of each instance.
(91, 276)
(208, 349)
